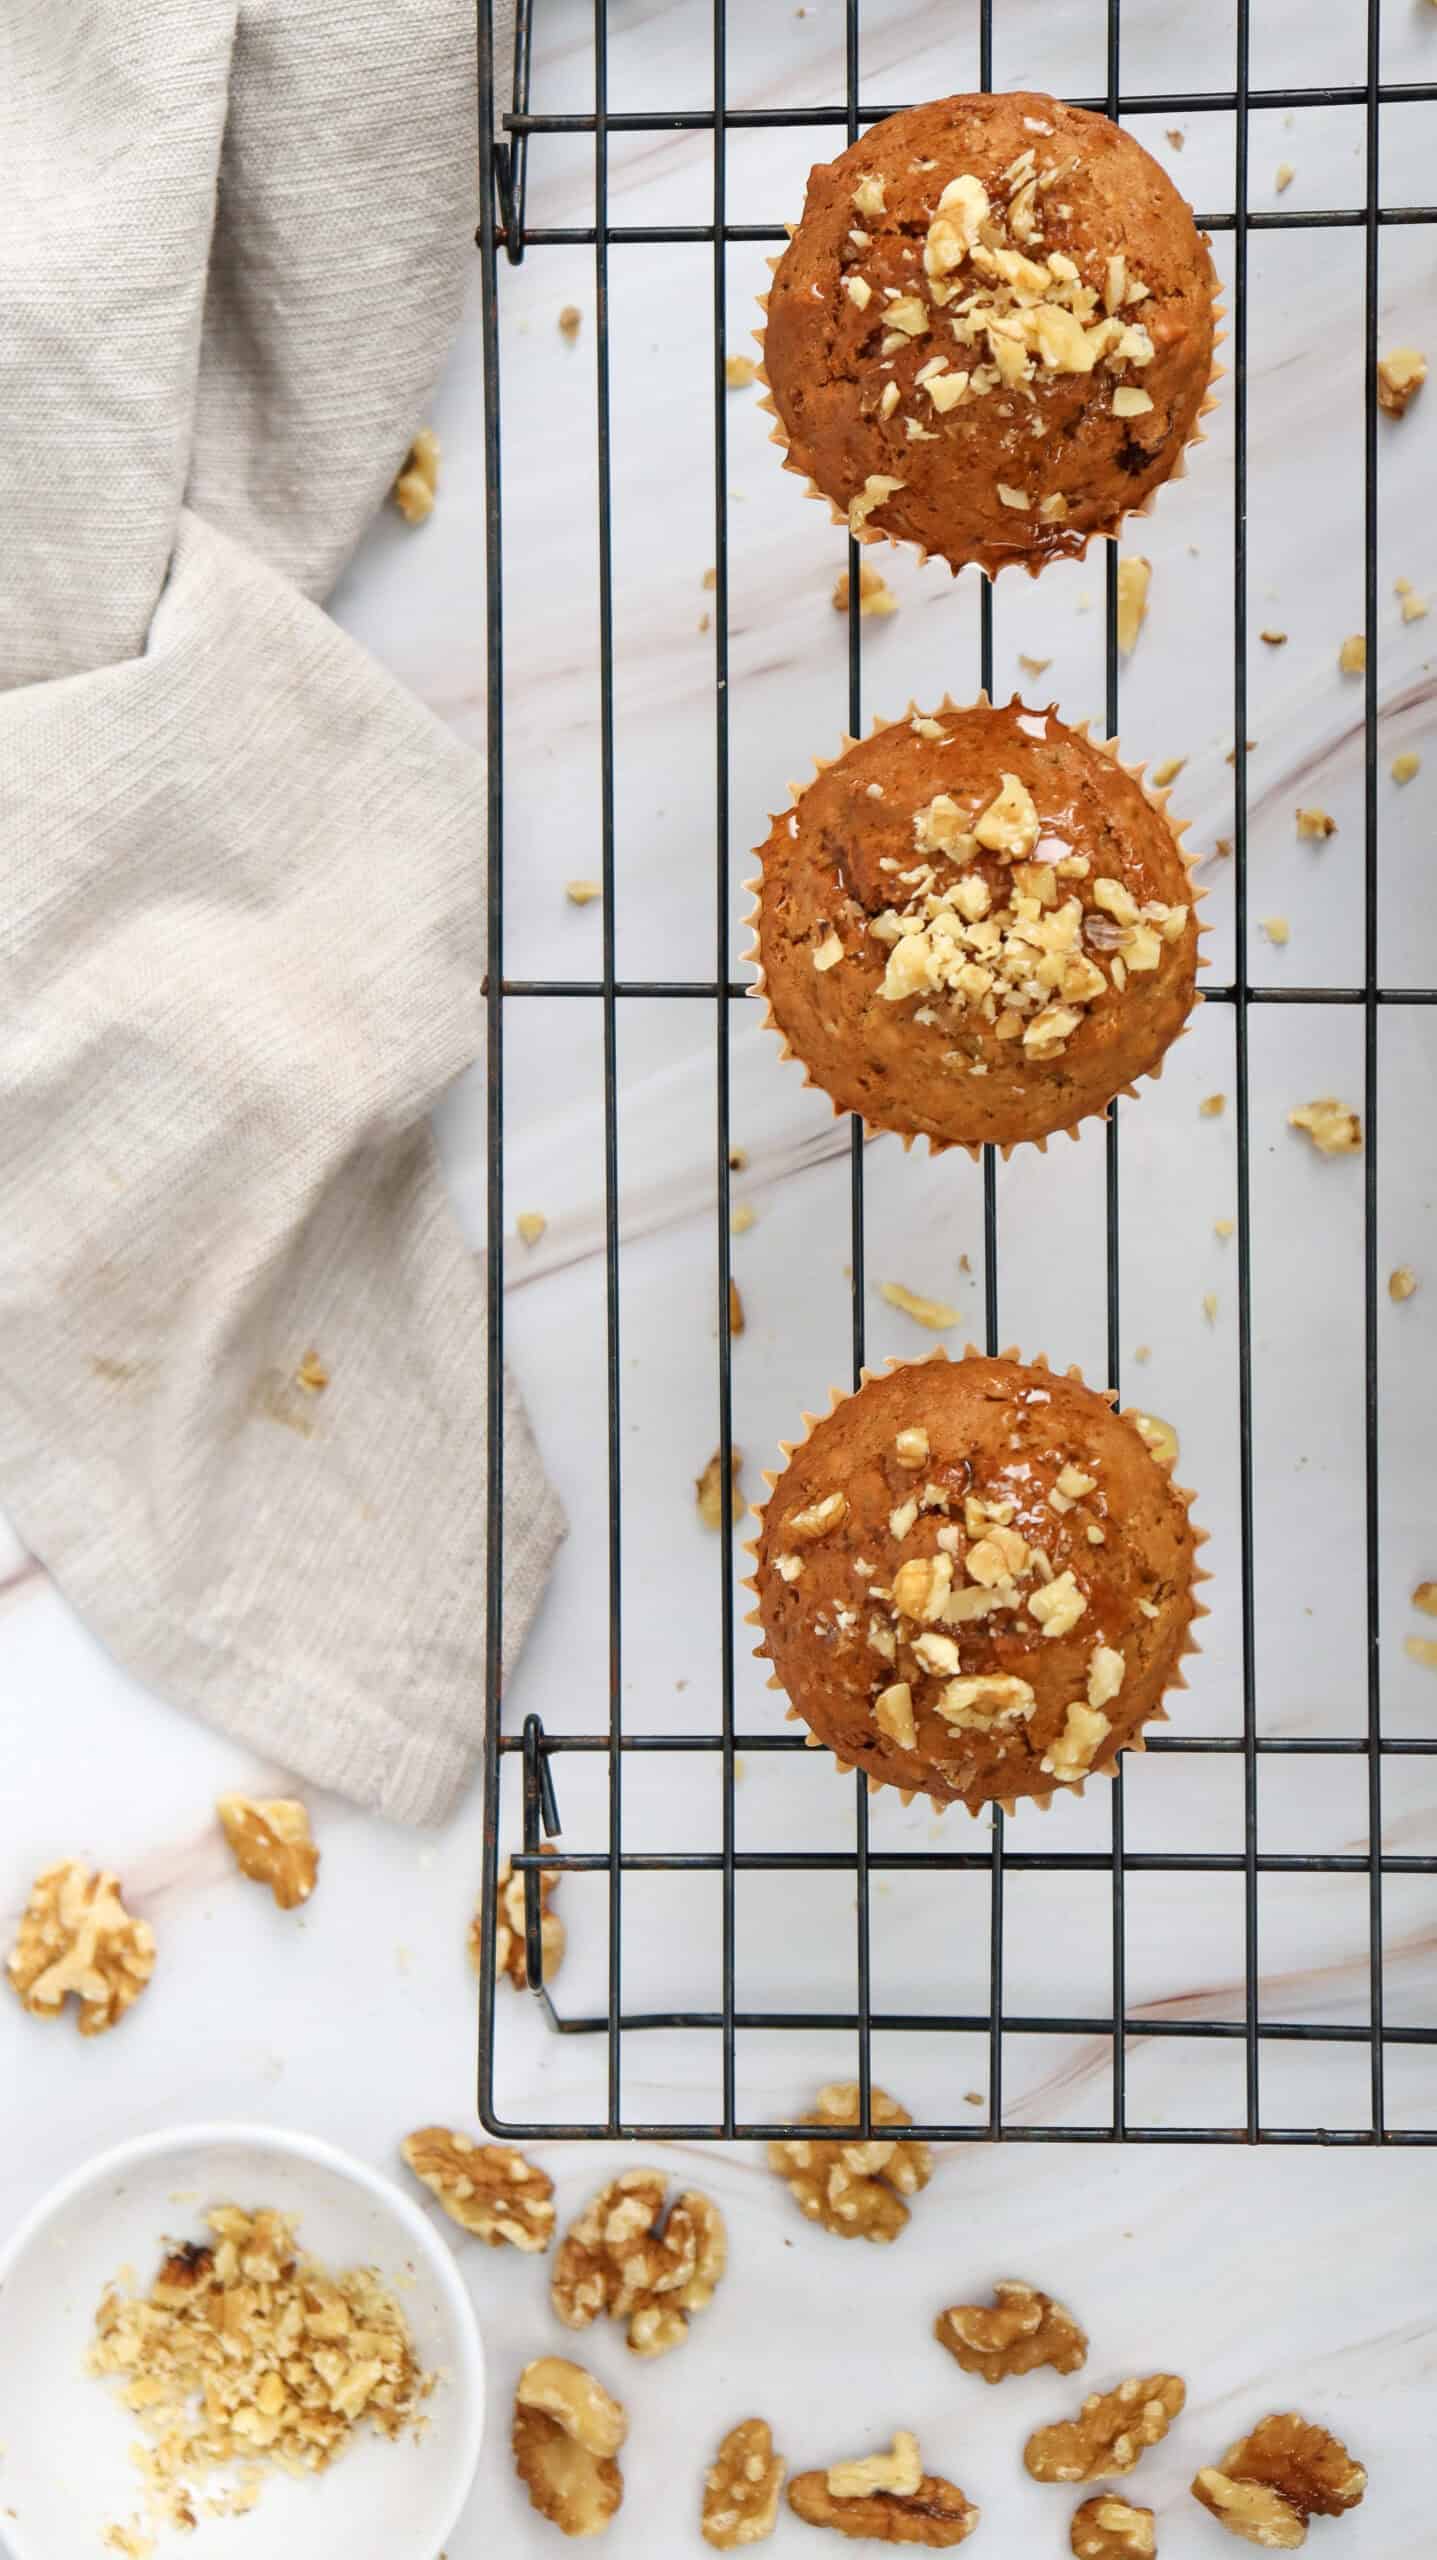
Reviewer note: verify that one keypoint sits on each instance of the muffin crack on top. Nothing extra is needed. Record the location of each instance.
(1001, 1587)
(992, 332)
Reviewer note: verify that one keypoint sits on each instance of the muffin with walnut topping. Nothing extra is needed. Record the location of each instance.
(975, 1581)
(992, 332)
(976, 927)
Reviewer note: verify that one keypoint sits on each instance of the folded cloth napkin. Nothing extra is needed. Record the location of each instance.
(242, 1344)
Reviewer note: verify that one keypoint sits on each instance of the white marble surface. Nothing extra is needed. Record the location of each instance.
(1287, 2276)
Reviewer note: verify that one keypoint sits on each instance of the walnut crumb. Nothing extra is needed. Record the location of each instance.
(1268, 2484)
(855, 2189)
(1400, 376)
(582, 893)
(743, 1217)
(1034, 666)
(931, 1312)
(1283, 176)
(899, 2471)
(1109, 2434)
(1109, 2529)
(1401, 1283)
(1224, 1229)
(1209, 1305)
(736, 1318)
(629, 2255)
(1274, 639)
(570, 320)
(1022, 2330)
(1406, 766)
(1212, 1106)
(417, 485)
(1352, 656)
(76, 1936)
(1421, 1649)
(815, 1519)
(1333, 1129)
(739, 372)
(531, 1224)
(1425, 1599)
(312, 1374)
(876, 599)
(1276, 929)
(932, 2513)
(488, 2190)
(271, 1841)
(1135, 577)
(741, 2488)
(509, 1951)
(565, 2434)
(1315, 825)
(1168, 771)
(708, 1490)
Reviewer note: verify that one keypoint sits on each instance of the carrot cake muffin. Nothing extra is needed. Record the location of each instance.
(976, 927)
(992, 332)
(975, 1581)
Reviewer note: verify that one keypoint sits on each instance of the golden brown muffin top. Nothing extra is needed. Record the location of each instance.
(992, 332)
(975, 925)
(975, 1580)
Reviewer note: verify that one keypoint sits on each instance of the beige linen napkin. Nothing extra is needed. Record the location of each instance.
(240, 937)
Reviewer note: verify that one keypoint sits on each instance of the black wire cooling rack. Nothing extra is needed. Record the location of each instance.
(506, 237)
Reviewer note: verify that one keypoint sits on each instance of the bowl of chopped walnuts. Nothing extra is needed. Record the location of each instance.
(227, 2321)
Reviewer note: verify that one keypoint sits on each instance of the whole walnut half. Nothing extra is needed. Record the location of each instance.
(1110, 2431)
(741, 2488)
(493, 2192)
(566, 2431)
(1109, 2529)
(271, 1842)
(509, 1928)
(856, 2189)
(76, 1936)
(1271, 2481)
(935, 2514)
(1023, 2329)
(623, 2258)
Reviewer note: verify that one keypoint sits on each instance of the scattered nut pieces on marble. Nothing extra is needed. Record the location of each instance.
(931, 2513)
(1224, 1229)
(1276, 929)
(1135, 577)
(1167, 771)
(1400, 376)
(490, 2191)
(565, 2434)
(1275, 640)
(417, 485)
(1270, 2482)
(1212, 1106)
(876, 599)
(1422, 1649)
(75, 1935)
(1110, 2432)
(509, 1927)
(1333, 1129)
(743, 1216)
(570, 320)
(632, 2258)
(739, 372)
(1021, 2330)
(1109, 2529)
(1402, 1283)
(708, 1488)
(312, 1374)
(271, 1843)
(1406, 766)
(1314, 826)
(741, 2488)
(1033, 666)
(855, 2189)
(1283, 176)
(531, 1224)
(1415, 608)
(736, 1317)
(1352, 656)
(245, 2352)
(1425, 1599)
(582, 893)
(931, 1312)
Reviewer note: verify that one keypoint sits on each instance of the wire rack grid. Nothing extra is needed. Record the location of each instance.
(505, 239)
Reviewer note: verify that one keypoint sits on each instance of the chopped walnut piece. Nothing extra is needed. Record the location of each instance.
(880, 486)
(1135, 576)
(936, 2516)
(582, 893)
(741, 2488)
(1213, 1106)
(1276, 929)
(624, 2258)
(855, 2189)
(1275, 640)
(739, 372)
(488, 2190)
(1033, 666)
(509, 1927)
(1406, 766)
(910, 1447)
(1352, 656)
(1250, 2510)
(1421, 1649)
(736, 1317)
(532, 1224)
(417, 485)
(708, 1490)
(1168, 771)
(817, 1518)
(744, 1216)
(1110, 2432)
(1070, 1755)
(899, 2471)
(1109, 2529)
(876, 599)
(1425, 1599)
(893, 1715)
(925, 1311)
(76, 1935)
(570, 319)
(312, 1374)
(271, 1842)
(1400, 376)
(1401, 1283)
(1315, 825)
(1333, 1129)
(1159, 1436)
(244, 2351)
(1022, 2330)
(566, 2431)
(1283, 176)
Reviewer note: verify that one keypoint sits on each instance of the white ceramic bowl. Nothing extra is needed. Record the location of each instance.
(66, 2473)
